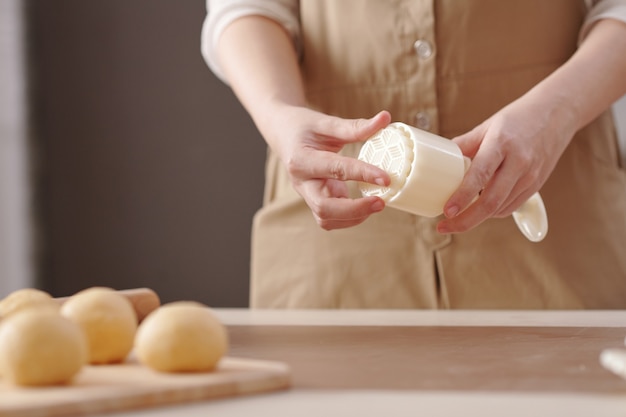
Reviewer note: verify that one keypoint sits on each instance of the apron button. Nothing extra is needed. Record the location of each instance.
(423, 49)
(422, 121)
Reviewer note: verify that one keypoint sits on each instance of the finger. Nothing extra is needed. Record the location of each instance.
(469, 218)
(515, 203)
(469, 142)
(339, 224)
(335, 189)
(329, 165)
(519, 195)
(328, 200)
(491, 200)
(481, 171)
(333, 213)
(524, 189)
(354, 130)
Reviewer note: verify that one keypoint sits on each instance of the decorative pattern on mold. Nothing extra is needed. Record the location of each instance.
(390, 149)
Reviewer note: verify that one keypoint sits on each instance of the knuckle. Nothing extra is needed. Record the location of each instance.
(316, 208)
(490, 205)
(356, 126)
(482, 177)
(338, 171)
(323, 221)
(526, 158)
(320, 211)
(525, 161)
(506, 137)
(325, 224)
(531, 180)
(292, 166)
(323, 212)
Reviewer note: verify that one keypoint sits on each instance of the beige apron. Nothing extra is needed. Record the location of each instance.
(444, 65)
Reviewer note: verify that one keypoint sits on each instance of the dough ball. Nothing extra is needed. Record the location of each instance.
(183, 336)
(109, 321)
(26, 298)
(41, 347)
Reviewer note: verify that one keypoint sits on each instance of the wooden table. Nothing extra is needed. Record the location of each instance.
(432, 363)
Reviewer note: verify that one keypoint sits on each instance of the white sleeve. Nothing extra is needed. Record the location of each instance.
(603, 9)
(220, 13)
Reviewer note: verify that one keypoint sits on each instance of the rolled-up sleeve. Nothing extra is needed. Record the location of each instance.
(603, 9)
(220, 13)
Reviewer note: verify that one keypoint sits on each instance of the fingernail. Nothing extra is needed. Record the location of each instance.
(377, 205)
(452, 211)
(380, 181)
(443, 229)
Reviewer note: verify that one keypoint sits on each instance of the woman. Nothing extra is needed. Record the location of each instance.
(522, 86)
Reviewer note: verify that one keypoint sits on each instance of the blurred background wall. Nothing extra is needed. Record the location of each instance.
(145, 170)
(16, 267)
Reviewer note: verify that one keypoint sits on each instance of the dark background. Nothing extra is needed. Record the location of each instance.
(147, 169)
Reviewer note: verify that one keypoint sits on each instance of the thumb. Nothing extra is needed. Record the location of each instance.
(355, 130)
(469, 142)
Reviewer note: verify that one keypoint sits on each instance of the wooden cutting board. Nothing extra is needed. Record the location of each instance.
(126, 386)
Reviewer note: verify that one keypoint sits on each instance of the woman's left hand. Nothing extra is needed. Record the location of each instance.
(513, 153)
(515, 150)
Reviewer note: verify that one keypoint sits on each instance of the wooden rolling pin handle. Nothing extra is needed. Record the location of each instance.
(144, 300)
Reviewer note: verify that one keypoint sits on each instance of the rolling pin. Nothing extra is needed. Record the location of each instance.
(144, 300)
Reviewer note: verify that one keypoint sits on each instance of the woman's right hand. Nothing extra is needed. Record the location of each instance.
(261, 65)
(308, 142)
